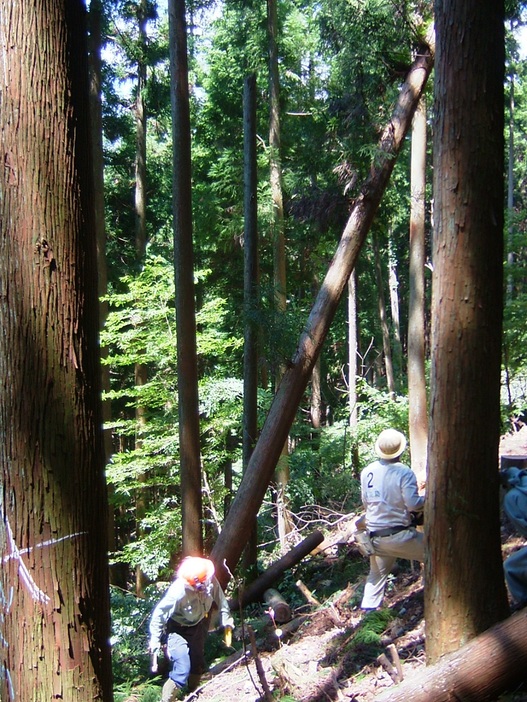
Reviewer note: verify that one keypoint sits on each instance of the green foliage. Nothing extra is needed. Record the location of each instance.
(146, 692)
(129, 636)
(341, 64)
(514, 391)
(160, 539)
(372, 626)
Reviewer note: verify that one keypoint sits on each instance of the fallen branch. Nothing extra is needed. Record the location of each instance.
(231, 662)
(293, 626)
(330, 609)
(342, 536)
(307, 593)
(259, 667)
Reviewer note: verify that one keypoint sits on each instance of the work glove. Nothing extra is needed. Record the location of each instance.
(418, 519)
(154, 647)
(227, 636)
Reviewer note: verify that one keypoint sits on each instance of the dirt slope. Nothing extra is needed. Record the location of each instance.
(321, 654)
(334, 651)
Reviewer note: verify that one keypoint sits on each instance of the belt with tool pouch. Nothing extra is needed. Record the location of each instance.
(389, 531)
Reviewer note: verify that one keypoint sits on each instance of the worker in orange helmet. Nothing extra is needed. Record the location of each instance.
(181, 616)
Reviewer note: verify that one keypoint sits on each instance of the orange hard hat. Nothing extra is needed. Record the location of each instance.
(196, 571)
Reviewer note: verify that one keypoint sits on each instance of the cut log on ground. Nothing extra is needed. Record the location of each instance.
(383, 661)
(489, 665)
(255, 590)
(281, 610)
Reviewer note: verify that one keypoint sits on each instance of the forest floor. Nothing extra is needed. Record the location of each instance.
(333, 654)
(330, 649)
(334, 651)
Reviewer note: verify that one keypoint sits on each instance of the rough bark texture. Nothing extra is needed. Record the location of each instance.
(250, 494)
(462, 517)
(418, 410)
(488, 666)
(189, 440)
(54, 594)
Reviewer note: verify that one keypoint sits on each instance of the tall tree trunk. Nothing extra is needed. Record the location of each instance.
(189, 440)
(266, 453)
(464, 562)
(352, 348)
(386, 345)
(278, 239)
(510, 231)
(54, 589)
(250, 281)
(393, 287)
(141, 369)
(418, 411)
(95, 44)
(510, 193)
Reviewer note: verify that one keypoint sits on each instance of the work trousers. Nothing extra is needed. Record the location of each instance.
(515, 567)
(405, 544)
(186, 651)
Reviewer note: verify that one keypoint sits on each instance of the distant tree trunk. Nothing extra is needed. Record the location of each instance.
(278, 238)
(352, 348)
(189, 440)
(141, 369)
(316, 397)
(393, 286)
(266, 453)
(54, 589)
(510, 233)
(464, 562)
(386, 345)
(250, 244)
(510, 194)
(418, 411)
(316, 412)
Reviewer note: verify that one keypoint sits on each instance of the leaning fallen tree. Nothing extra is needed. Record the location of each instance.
(256, 589)
(490, 664)
(263, 461)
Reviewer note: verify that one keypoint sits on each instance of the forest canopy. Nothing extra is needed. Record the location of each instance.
(292, 253)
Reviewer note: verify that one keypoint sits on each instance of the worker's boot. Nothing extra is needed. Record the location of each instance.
(193, 681)
(171, 692)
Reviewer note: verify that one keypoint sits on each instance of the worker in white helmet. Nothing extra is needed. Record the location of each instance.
(181, 616)
(391, 499)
